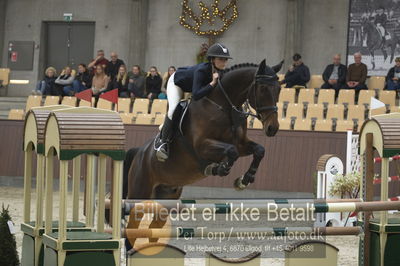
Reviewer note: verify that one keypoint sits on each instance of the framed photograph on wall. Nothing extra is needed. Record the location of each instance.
(374, 30)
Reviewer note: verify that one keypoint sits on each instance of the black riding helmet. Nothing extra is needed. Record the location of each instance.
(218, 50)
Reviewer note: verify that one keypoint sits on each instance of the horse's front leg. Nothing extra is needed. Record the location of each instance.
(258, 152)
(223, 155)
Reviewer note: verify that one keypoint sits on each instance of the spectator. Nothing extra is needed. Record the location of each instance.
(163, 94)
(47, 85)
(393, 76)
(99, 60)
(136, 83)
(298, 74)
(153, 84)
(64, 82)
(100, 81)
(335, 75)
(121, 82)
(356, 75)
(113, 66)
(82, 81)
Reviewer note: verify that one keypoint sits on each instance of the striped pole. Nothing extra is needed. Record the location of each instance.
(165, 207)
(226, 233)
(394, 158)
(390, 179)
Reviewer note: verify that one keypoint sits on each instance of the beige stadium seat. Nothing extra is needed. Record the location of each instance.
(323, 125)
(140, 106)
(346, 96)
(69, 100)
(33, 101)
(127, 118)
(315, 111)
(250, 121)
(356, 112)
(280, 109)
(159, 119)
(124, 105)
(83, 103)
(365, 97)
(159, 107)
(4, 78)
(287, 95)
(257, 124)
(104, 104)
(376, 82)
(284, 124)
(306, 96)
(344, 125)
(302, 124)
(326, 96)
(51, 100)
(316, 81)
(378, 111)
(16, 114)
(395, 109)
(335, 111)
(144, 119)
(294, 110)
(388, 97)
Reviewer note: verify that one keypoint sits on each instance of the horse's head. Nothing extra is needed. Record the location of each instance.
(263, 97)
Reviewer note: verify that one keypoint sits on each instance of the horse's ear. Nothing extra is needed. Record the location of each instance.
(261, 68)
(278, 67)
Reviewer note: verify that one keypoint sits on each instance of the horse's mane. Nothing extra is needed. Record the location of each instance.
(237, 66)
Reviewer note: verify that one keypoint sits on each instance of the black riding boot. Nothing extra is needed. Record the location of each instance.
(162, 146)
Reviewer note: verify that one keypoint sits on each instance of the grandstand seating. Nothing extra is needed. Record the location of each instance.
(335, 111)
(388, 97)
(284, 124)
(83, 103)
(4, 78)
(69, 100)
(365, 97)
(33, 101)
(140, 106)
(280, 109)
(124, 105)
(144, 119)
(323, 125)
(306, 96)
(326, 96)
(104, 104)
(376, 82)
(356, 112)
(257, 123)
(159, 107)
(302, 124)
(159, 119)
(51, 100)
(344, 125)
(16, 114)
(315, 111)
(378, 111)
(294, 110)
(287, 95)
(346, 97)
(316, 81)
(127, 118)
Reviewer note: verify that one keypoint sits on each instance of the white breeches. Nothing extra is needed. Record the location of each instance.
(174, 94)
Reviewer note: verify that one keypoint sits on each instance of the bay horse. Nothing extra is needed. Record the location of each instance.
(375, 42)
(212, 136)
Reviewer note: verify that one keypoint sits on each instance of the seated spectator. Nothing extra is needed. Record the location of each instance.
(99, 60)
(136, 83)
(298, 73)
(335, 75)
(163, 94)
(47, 85)
(393, 76)
(64, 81)
(356, 75)
(83, 81)
(113, 66)
(100, 81)
(121, 82)
(153, 84)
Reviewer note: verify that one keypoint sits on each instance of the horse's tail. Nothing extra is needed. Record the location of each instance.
(130, 155)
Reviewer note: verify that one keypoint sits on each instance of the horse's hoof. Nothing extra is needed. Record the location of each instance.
(239, 184)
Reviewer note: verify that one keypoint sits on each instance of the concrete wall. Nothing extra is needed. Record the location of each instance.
(147, 32)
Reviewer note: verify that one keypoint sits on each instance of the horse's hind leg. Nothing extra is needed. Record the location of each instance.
(258, 152)
(163, 192)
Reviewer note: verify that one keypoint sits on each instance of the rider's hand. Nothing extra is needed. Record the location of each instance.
(214, 80)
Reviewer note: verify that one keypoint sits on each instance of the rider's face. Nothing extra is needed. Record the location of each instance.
(220, 63)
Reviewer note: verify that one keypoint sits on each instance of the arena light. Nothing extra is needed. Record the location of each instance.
(19, 81)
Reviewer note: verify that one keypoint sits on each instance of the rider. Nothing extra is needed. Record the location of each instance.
(199, 79)
(380, 22)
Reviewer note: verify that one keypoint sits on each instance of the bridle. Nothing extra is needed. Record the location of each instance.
(258, 78)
